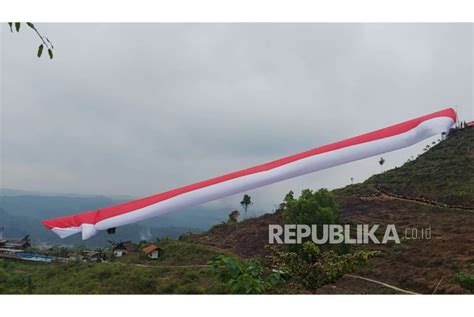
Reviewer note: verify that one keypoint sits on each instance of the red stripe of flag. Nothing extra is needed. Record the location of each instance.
(93, 217)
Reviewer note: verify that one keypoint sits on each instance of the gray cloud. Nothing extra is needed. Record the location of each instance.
(140, 108)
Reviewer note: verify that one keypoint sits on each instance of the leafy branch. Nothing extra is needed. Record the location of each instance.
(45, 42)
(244, 277)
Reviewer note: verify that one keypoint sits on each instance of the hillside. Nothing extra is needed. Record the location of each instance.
(246, 238)
(181, 270)
(420, 194)
(444, 173)
(435, 190)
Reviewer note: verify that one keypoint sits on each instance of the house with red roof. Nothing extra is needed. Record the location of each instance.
(153, 251)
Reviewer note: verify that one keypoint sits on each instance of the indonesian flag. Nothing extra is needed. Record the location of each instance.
(388, 139)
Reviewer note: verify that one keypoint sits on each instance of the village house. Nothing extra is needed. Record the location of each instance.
(123, 248)
(153, 251)
(18, 250)
(11, 247)
(16, 244)
(6, 250)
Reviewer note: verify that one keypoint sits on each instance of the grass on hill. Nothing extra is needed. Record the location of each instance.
(104, 278)
(181, 270)
(444, 173)
(176, 253)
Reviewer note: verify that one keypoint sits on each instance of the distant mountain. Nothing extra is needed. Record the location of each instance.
(21, 192)
(19, 226)
(41, 207)
(22, 212)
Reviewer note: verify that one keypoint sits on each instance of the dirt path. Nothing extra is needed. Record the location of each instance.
(383, 194)
(163, 266)
(173, 266)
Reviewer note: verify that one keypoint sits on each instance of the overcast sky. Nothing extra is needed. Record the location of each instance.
(141, 108)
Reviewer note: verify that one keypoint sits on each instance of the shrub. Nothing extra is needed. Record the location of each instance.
(465, 281)
(312, 268)
(243, 277)
(233, 216)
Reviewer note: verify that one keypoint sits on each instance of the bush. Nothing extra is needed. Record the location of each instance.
(243, 277)
(312, 268)
(233, 216)
(12, 282)
(465, 281)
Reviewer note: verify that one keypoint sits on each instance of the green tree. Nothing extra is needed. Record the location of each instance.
(306, 263)
(311, 208)
(246, 203)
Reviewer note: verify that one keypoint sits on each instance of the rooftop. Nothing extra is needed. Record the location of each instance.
(149, 249)
(127, 245)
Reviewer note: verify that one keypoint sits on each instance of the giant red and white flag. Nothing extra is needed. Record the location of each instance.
(366, 145)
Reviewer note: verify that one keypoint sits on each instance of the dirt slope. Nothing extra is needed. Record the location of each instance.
(416, 265)
(246, 238)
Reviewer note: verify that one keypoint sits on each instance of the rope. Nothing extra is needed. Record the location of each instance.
(383, 284)
(436, 288)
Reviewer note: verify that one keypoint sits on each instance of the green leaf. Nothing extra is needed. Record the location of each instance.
(11, 26)
(31, 25)
(17, 26)
(40, 50)
(50, 52)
